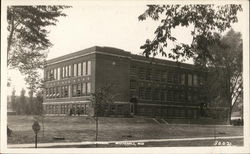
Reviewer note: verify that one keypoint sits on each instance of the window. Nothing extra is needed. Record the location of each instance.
(148, 93)
(75, 70)
(164, 76)
(84, 88)
(148, 74)
(79, 69)
(70, 71)
(51, 75)
(170, 77)
(170, 95)
(66, 92)
(58, 92)
(190, 79)
(66, 71)
(183, 79)
(54, 92)
(176, 96)
(84, 68)
(58, 74)
(156, 94)
(63, 73)
(176, 78)
(132, 84)
(132, 70)
(88, 88)
(163, 92)
(156, 75)
(201, 80)
(88, 67)
(189, 97)
(79, 91)
(74, 92)
(141, 93)
(182, 96)
(141, 73)
(63, 92)
(55, 76)
(195, 80)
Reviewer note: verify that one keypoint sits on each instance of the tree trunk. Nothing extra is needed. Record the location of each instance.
(96, 129)
(10, 38)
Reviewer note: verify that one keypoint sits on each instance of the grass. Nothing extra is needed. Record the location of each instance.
(76, 129)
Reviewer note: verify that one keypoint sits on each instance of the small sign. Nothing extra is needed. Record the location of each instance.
(36, 127)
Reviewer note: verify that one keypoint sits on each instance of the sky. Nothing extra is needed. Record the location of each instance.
(102, 25)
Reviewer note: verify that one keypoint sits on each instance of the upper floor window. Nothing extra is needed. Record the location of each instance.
(84, 68)
(132, 70)
(70, 70)
(89, 68)
(170, 77)
(183, 79)
(55, 74)
(75, 70)
(132, 84)
(66, 71)
(141, 73)
(164, 76)
(58, 73)
(79, 69)
(141, 93)
(195, 78)
(148, 74)
(190, 80)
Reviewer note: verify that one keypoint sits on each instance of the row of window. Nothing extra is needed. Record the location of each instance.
(78, 69)
(166, 95)
(80, 89)
(66, 109)
(167, 112)
(167, 76)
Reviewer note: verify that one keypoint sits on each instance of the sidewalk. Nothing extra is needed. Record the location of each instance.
(44, 145)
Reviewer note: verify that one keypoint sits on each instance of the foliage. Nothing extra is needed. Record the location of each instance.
(100, 100)
(27, 29)
(204, 19)
(28, 41)
(226, 82)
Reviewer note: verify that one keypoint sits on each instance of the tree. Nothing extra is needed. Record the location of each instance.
(100, 100)
(13, 100)
(204, 20)
(226, 68)
(27, 30)
(28, 41)
(22, 102)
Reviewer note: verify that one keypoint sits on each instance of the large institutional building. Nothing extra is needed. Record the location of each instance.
(143, 86)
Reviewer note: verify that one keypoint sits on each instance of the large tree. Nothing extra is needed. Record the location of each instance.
(203, 20)
(226, 69)
(28, 41)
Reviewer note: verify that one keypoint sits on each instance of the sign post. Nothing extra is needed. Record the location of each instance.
(36, 128)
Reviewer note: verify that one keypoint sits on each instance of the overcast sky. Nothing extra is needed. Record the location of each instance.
(103, 25)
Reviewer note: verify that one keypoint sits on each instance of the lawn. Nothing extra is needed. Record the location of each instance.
(76, 129)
